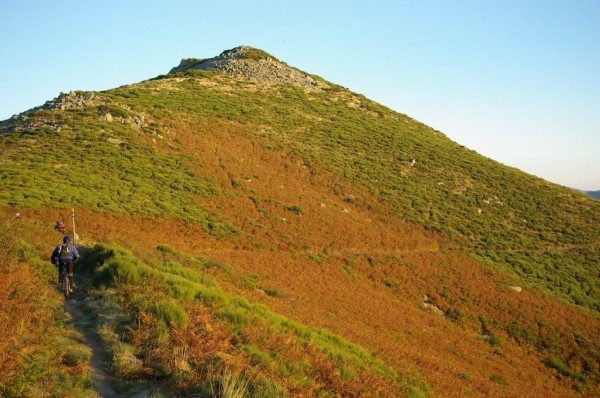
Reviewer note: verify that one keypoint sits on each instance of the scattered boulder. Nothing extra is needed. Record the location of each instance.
(428, 304)
(74, 100)
(107, 117)
(517, 289)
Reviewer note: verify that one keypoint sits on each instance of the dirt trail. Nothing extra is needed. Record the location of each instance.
(102, 380)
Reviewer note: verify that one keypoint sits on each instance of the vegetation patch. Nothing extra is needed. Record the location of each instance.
(161, 298)
(557, 364)
(41, 352)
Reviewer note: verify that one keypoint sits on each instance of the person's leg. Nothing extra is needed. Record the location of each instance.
(69, 264)
(60, 271)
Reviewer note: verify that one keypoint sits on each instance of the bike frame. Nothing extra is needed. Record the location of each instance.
(66, 282)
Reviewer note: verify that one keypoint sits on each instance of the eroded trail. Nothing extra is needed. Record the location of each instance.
(103, 382)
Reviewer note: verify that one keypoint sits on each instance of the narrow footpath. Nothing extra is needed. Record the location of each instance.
(103, 382)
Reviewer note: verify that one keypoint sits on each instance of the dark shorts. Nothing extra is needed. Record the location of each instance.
(68, 264)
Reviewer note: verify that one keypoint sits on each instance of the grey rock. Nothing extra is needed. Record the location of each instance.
(238, 62)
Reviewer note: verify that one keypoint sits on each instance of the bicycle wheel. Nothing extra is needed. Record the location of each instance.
(66, 285)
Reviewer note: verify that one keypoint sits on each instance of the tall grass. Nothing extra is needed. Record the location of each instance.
(230, 385)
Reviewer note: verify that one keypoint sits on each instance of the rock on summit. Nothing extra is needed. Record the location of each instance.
(255, 65)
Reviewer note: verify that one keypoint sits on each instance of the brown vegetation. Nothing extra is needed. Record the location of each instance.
(40, 354)
(338, 260)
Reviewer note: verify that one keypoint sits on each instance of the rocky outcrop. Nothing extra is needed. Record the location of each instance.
(30, 120)
(74, 100)
(255, 65)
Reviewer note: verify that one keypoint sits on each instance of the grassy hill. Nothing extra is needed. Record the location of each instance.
(295, 221)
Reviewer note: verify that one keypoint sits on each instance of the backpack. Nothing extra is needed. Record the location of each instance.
(64, 251)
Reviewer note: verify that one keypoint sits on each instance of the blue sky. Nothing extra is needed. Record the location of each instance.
(517, 81)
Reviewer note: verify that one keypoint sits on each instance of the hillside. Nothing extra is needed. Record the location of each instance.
(288, 220)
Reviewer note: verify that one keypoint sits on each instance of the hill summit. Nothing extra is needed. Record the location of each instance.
(239, 216)
(253, 64)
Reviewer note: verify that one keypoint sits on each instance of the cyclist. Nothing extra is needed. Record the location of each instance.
(65, 255)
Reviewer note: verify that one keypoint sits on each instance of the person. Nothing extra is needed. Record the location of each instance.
(60, 227)
(65, 255)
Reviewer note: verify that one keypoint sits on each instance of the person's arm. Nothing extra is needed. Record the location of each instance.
(75, 254)
(54, 255)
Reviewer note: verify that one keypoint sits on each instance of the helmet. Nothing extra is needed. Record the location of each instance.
(66, 239)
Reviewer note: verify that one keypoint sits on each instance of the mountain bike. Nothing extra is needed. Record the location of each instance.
(66, 282)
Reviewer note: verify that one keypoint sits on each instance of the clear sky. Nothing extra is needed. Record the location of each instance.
(516, 80)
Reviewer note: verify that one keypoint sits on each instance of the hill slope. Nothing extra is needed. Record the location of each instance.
(315, 194)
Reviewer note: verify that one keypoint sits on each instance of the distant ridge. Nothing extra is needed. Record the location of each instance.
(593, 194)
(253, 64)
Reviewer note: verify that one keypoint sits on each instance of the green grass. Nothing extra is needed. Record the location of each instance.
(170, 313)
(77, 166)
(557, 364)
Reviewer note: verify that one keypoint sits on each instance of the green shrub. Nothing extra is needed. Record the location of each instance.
(236, 317)
(119, 270)
(165, 248)
(266, 388)
(294, 209)
(171, 313)
(557, 364)
(347, 373)
(273, 293)
(498, 378)
(75, 355)
(257, 356)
